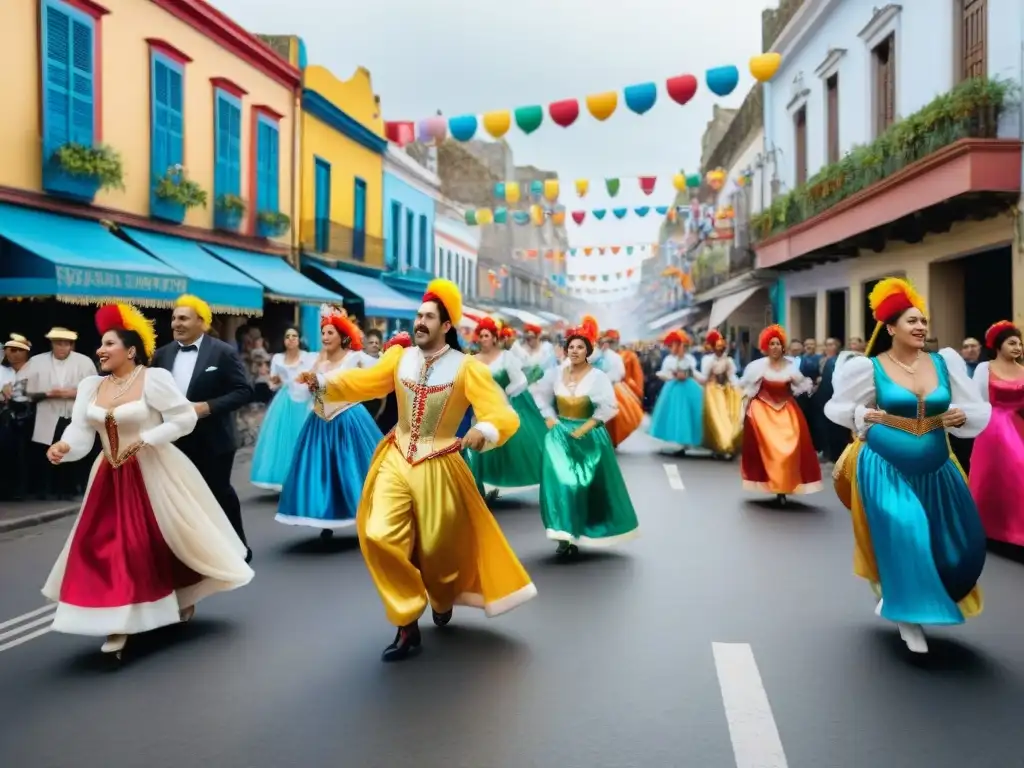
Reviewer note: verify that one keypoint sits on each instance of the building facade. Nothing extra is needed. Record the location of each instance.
(457, 246)
(894, 150)
(170, 124)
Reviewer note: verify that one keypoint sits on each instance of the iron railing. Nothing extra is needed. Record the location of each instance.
(712, 273)
(342, 243)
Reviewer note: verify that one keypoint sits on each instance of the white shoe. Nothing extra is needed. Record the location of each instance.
(878, 608)
(114, 644)
(913, 636)
(186, 614)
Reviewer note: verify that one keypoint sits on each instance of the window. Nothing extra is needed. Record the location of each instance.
(322, 204)
(167, 127)
(396, 234)
(359, 220)
(800, 148)
(448, 273)
(268, 164)
(973, 39)
(832, 118)
(423, 242)
(227, 174)
(410, 236)
(68, 77)
(884, 59)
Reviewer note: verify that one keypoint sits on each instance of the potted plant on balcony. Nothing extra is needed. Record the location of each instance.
(174, 194)
(229, 212)
(272, 223)
(79, 171)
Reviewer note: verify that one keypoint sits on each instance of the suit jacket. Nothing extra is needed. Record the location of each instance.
(219, 379)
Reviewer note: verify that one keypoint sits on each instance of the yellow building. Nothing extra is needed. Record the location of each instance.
(168, 122)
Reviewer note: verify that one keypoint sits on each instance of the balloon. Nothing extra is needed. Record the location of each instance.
(484, 216)
(537, 215)
(536, 188)
(722, 80)
(551, 190)
(499, 189)
(602, 105)
(620, 213)
(764, 67)
(529, 118)
(642, 211)
(565, 112)
(521, 217)
(681, 88)
(471, 217)
(582, 185)
(497, 123)
(640, 98)
(463, 127)
(558, 218)
(693, 181)
(679, 182)
(512, 192)
(599, 213)
(612, 185)
(501, 215)
(715, 179)
(661, 210)
(579, 216)
(647, 184)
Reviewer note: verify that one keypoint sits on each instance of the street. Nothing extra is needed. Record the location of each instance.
(729, 632)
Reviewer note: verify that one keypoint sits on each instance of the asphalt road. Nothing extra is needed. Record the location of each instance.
(728, 633)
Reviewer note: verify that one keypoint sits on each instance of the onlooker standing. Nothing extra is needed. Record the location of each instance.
(970, 351)
(16, 419)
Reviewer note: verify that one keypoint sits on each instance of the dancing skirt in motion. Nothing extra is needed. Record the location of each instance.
(723, 426)
(326, 478)
(678, 416)
(279, 437)
(997, 464)
(778, 452)
(629, 417)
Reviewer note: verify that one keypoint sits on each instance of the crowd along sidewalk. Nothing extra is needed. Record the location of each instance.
(15, 515)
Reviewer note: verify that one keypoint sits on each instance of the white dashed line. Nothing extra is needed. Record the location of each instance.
(755, 738)
(675, 482)
(16, 631)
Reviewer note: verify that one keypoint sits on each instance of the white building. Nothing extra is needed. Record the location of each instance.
(850, 69)
(456, 247)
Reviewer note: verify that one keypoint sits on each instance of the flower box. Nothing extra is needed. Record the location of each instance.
(166, 210)
(57, 181)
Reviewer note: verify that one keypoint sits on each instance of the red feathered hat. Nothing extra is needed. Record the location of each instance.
(401, 339)
(484, 323)
(338, 317)
(587, 329)
(612, 334)
(993, 333)
(675, 337)
(769, 333)
(714, 338)
(536, 330)
(507, 332)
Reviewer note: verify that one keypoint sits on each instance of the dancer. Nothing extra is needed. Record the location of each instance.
(337, 442)
(425, 532)
(537, 356)
(630, 412)
(150, 540)
(634, 370)
(678, 416)
(279, 433)
(919, 539)
(723, 402)
(997, 462)
(517, 463)
(583, 498)
(778, 452)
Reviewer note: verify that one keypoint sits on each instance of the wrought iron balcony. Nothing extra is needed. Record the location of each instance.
(338, 242)
(717, 264)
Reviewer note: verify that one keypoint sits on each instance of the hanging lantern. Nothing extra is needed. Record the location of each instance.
(511, 191)
(764, 66)
(582, 186)
(497, 123)
(537, 215)
(715, 179)
(679, 182)
(693, 181)
(551, 190)
(463, 127)
(602, 105)
(536, 188)
(722, 81)
(471, 218)
(501, 215)
(558, 217)
(484, 216)
(499, 189)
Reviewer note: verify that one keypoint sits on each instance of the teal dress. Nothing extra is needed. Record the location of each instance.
(927, 536)
(516, 464)
(583, 497)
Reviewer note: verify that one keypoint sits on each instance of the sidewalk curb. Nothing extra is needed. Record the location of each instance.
(40, 518)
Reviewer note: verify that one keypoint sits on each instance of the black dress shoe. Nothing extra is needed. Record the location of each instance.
(442, 619)
(405, 644)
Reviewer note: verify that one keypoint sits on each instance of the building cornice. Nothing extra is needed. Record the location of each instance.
(794, 34)
(881, 18)
(828, 67)
(326, 112)
(406, 169)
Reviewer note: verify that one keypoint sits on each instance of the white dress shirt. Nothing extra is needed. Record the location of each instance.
(185, 365)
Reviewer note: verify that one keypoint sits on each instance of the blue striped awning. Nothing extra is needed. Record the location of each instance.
(279, 279)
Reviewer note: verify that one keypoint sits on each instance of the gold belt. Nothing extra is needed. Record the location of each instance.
(917, 427)
(123, 459)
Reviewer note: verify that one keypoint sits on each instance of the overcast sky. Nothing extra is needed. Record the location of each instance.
(471, 57)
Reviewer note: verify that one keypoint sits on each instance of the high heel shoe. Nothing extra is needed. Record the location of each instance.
(186, 614)
(115, 645)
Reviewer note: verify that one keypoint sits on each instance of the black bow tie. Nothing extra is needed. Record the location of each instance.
(188, 348)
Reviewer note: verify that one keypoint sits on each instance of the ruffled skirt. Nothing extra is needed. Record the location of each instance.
(516, 464)
(629, 417)
(778, 452)
(678, 416)
(279, 436)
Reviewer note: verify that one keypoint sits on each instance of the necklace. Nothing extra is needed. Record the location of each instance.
(910, 369)
(428, 359)
(124, 385)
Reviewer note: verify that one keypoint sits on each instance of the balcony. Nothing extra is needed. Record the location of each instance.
(337, 242)
(718, 263)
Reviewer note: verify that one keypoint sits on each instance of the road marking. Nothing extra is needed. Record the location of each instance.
(675, 482)
(24, 639)
(30, 615)
(755, 738)
(28, 626)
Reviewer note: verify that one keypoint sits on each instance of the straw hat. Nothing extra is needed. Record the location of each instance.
(18, 341)
(61, 334)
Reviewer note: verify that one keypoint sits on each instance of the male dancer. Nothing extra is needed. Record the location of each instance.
(425, 532)
(211, 375)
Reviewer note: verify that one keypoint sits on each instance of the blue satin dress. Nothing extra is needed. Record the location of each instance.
(928, 539)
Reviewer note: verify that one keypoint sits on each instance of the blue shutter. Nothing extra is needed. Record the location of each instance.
(83, 115)
(322, 205)
(175, 117)
(221, 164)
(274, 194)
(235, 151)
(359, 221)
(56, 42)
(268, 181)
(262, 147)
(423, 242)
(160, 139)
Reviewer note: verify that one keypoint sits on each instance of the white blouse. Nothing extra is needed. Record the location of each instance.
(288, 373)
(610, 362)
(512, 364)
(760, 370)
(596, 386)
(672, 365)
(854, 395)
(352, 359)
(713, 365)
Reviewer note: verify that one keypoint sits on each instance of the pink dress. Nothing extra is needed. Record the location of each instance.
(997, 462)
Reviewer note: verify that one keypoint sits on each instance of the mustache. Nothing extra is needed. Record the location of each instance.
(421, 329)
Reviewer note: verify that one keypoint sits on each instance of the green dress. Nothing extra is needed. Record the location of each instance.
(517, 463)
(583, 498)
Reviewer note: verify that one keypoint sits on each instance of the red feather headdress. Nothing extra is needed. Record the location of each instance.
(536, 330)
(587, 329)
(675, 337)
(338, 317)
(714, 339)
(400, 339)
(993, 332)
(125, 317)
(769, 333)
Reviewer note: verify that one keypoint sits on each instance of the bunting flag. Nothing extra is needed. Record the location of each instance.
(549, 189)
(642, 251)
(639, 99)
(538, 215)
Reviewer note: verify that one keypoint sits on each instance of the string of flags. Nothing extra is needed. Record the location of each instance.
(550, 189)
(645, 251)
(538, 214)
(639, 98)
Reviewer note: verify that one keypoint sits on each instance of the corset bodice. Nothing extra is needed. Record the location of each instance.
(120, 427)
(501, 378)
(1005, 393)
(573, 407)
(774, 392)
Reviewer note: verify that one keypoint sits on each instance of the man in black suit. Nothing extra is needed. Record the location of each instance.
(211, 375)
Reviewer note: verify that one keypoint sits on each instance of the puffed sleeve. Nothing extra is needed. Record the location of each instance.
(357, 385)
(495, 418)
(853, 394)
(981, 380)
(178, 414)
(695, 370)
(79, 434)
(802, 385)
(965, 396)
(516, 378)
(277, 368)
(730, 368)
(602, 395)
(543, 392)
(752, 375)
(705, 365)
(667, 372)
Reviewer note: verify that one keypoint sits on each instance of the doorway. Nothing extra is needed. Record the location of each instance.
(835, 315)
(802, 311)
(987, 291)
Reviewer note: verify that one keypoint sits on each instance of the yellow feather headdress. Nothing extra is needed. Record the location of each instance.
(893, 295)
(125, 317)
(200, 307)
(448, 293)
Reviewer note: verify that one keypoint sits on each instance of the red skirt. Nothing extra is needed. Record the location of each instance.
(778, 453)
(118, 556)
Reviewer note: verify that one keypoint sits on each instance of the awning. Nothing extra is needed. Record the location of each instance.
(379, 300)
(679, 316)
(80, 262)
(226, 290)
(281, 282)
(526, 317)
(726, 305)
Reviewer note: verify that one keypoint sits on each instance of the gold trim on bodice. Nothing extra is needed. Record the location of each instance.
(574, 406)
(918, 426)
(423, 431)
(114, 443)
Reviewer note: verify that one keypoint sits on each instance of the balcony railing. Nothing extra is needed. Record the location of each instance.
(716, 265)
(341, 243)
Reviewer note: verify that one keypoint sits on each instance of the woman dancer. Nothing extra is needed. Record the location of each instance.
(583, 498)
(630, 411)
(634, 370)
(150, 541)
(337, 441)
(723, 401)
(678, 411)
(279, 434)
(778, 452)
(516, 464)
(997, 462)
(537, 356)
(919, 539)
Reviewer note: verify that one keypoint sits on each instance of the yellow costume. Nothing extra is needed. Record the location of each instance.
(425, 532)
(723, 399)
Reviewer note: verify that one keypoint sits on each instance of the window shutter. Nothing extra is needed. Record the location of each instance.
(82, 108)
(57, 64)
(175, 118)
(221, 181)
(262, 149)
(234, 149)
(160, 150)
(274, 170)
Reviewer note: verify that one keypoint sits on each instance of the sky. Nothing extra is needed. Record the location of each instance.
(465, 57)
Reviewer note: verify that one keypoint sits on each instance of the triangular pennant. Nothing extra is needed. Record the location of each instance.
(579, 216)
(612, 185)
(620, 213)
(615, 249)
(629, 249)
(642, 211)
(599, 213)
(601, 251)
(647, 184)
(588, 251)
